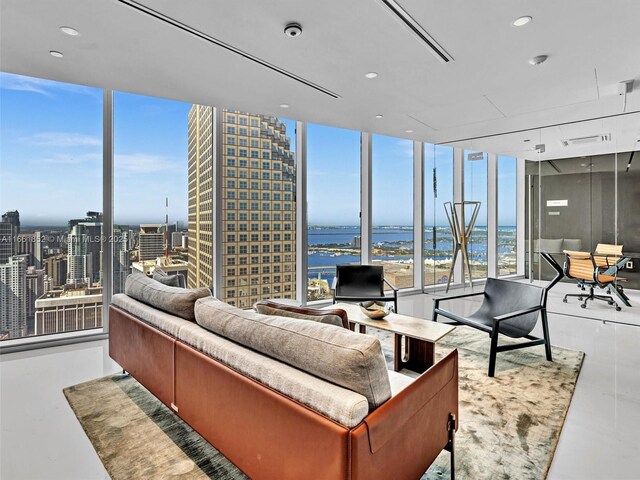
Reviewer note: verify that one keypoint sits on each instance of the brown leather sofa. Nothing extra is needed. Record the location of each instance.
(269, 434)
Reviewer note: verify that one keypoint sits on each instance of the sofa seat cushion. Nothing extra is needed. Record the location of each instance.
(302, 313)
(398, 382)
(174, 300)
(339, 404)
(351, 360)
(163, 321)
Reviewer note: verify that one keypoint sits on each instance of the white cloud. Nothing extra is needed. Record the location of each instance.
(62, 139)
(61, 159)
(138, 163)
(48, 88)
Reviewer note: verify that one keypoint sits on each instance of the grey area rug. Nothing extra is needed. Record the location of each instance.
(509, 424)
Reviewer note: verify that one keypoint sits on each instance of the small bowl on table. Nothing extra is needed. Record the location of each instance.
(375, 310)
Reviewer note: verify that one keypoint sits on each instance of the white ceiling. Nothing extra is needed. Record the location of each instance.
(487, 90)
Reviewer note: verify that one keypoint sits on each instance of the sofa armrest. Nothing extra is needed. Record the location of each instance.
(439, 384)
(404, 435)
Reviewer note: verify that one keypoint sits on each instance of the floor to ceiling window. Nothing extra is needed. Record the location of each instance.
(438, 190)
(150, 187)
(475, 190)
(333, 204)
(392, 208)
(507, 204)
(51, 204)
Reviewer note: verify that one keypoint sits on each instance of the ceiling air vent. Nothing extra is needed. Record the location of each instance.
(437, 50)
(571, 142)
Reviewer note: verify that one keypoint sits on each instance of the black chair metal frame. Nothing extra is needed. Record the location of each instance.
(498, 324)
(591, 283)
(372, 288)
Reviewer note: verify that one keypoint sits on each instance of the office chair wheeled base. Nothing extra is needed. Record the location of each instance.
(592, 296)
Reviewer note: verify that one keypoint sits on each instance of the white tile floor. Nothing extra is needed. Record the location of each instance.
(41, 439)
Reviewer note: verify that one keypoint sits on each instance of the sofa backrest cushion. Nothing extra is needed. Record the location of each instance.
(551, 245)
(573, 244)
(351, 360)
(174, 300)
(301, 313)
(344, 406)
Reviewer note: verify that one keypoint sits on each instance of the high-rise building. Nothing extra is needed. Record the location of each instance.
(121, 258)
(38, 246)
(68, 309)
(25, 245)
(7, 241)
(12, 217)
(13, 297)
(35, 289)
(200, 146)
(151, 241)
(84, 248)
(177, 239)
(56, 268)
(258, 187)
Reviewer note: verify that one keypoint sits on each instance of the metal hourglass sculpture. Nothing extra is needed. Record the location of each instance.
(461, 234)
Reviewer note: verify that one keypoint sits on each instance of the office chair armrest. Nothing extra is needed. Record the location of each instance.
(507, 316)
(393, 287)
(455, 297)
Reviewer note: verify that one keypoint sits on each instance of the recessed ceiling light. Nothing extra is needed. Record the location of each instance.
(70, 31)
(519, 22)
(409, 131)
(538, 60)
(56, 54)
(378, 116)
(284, 105)
(371, 75)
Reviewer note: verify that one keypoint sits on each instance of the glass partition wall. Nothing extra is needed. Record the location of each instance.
(582, 183)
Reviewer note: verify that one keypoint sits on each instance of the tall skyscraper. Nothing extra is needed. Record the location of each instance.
(35, 289)
(258, 205)
(56, 269)
(9, 231)
(84, 250)
(7, 242)
(38, 246)
(177, 239)
(151, 241)
(12, 217)
(121, 258)
(25, 245)
(13, 296)
(201, 141)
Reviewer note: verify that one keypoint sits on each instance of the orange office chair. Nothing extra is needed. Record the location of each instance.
(582, 266)
(611, 255)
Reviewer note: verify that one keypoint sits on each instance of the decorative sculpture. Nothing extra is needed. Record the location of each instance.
(461, 234)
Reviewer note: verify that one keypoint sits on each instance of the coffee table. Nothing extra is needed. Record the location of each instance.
(419, 335)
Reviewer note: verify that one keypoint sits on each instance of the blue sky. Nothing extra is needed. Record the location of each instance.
(51, 161)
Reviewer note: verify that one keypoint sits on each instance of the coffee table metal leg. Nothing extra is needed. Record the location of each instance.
(417, 355)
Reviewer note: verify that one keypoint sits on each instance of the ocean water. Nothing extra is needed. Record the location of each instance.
(387, 243)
